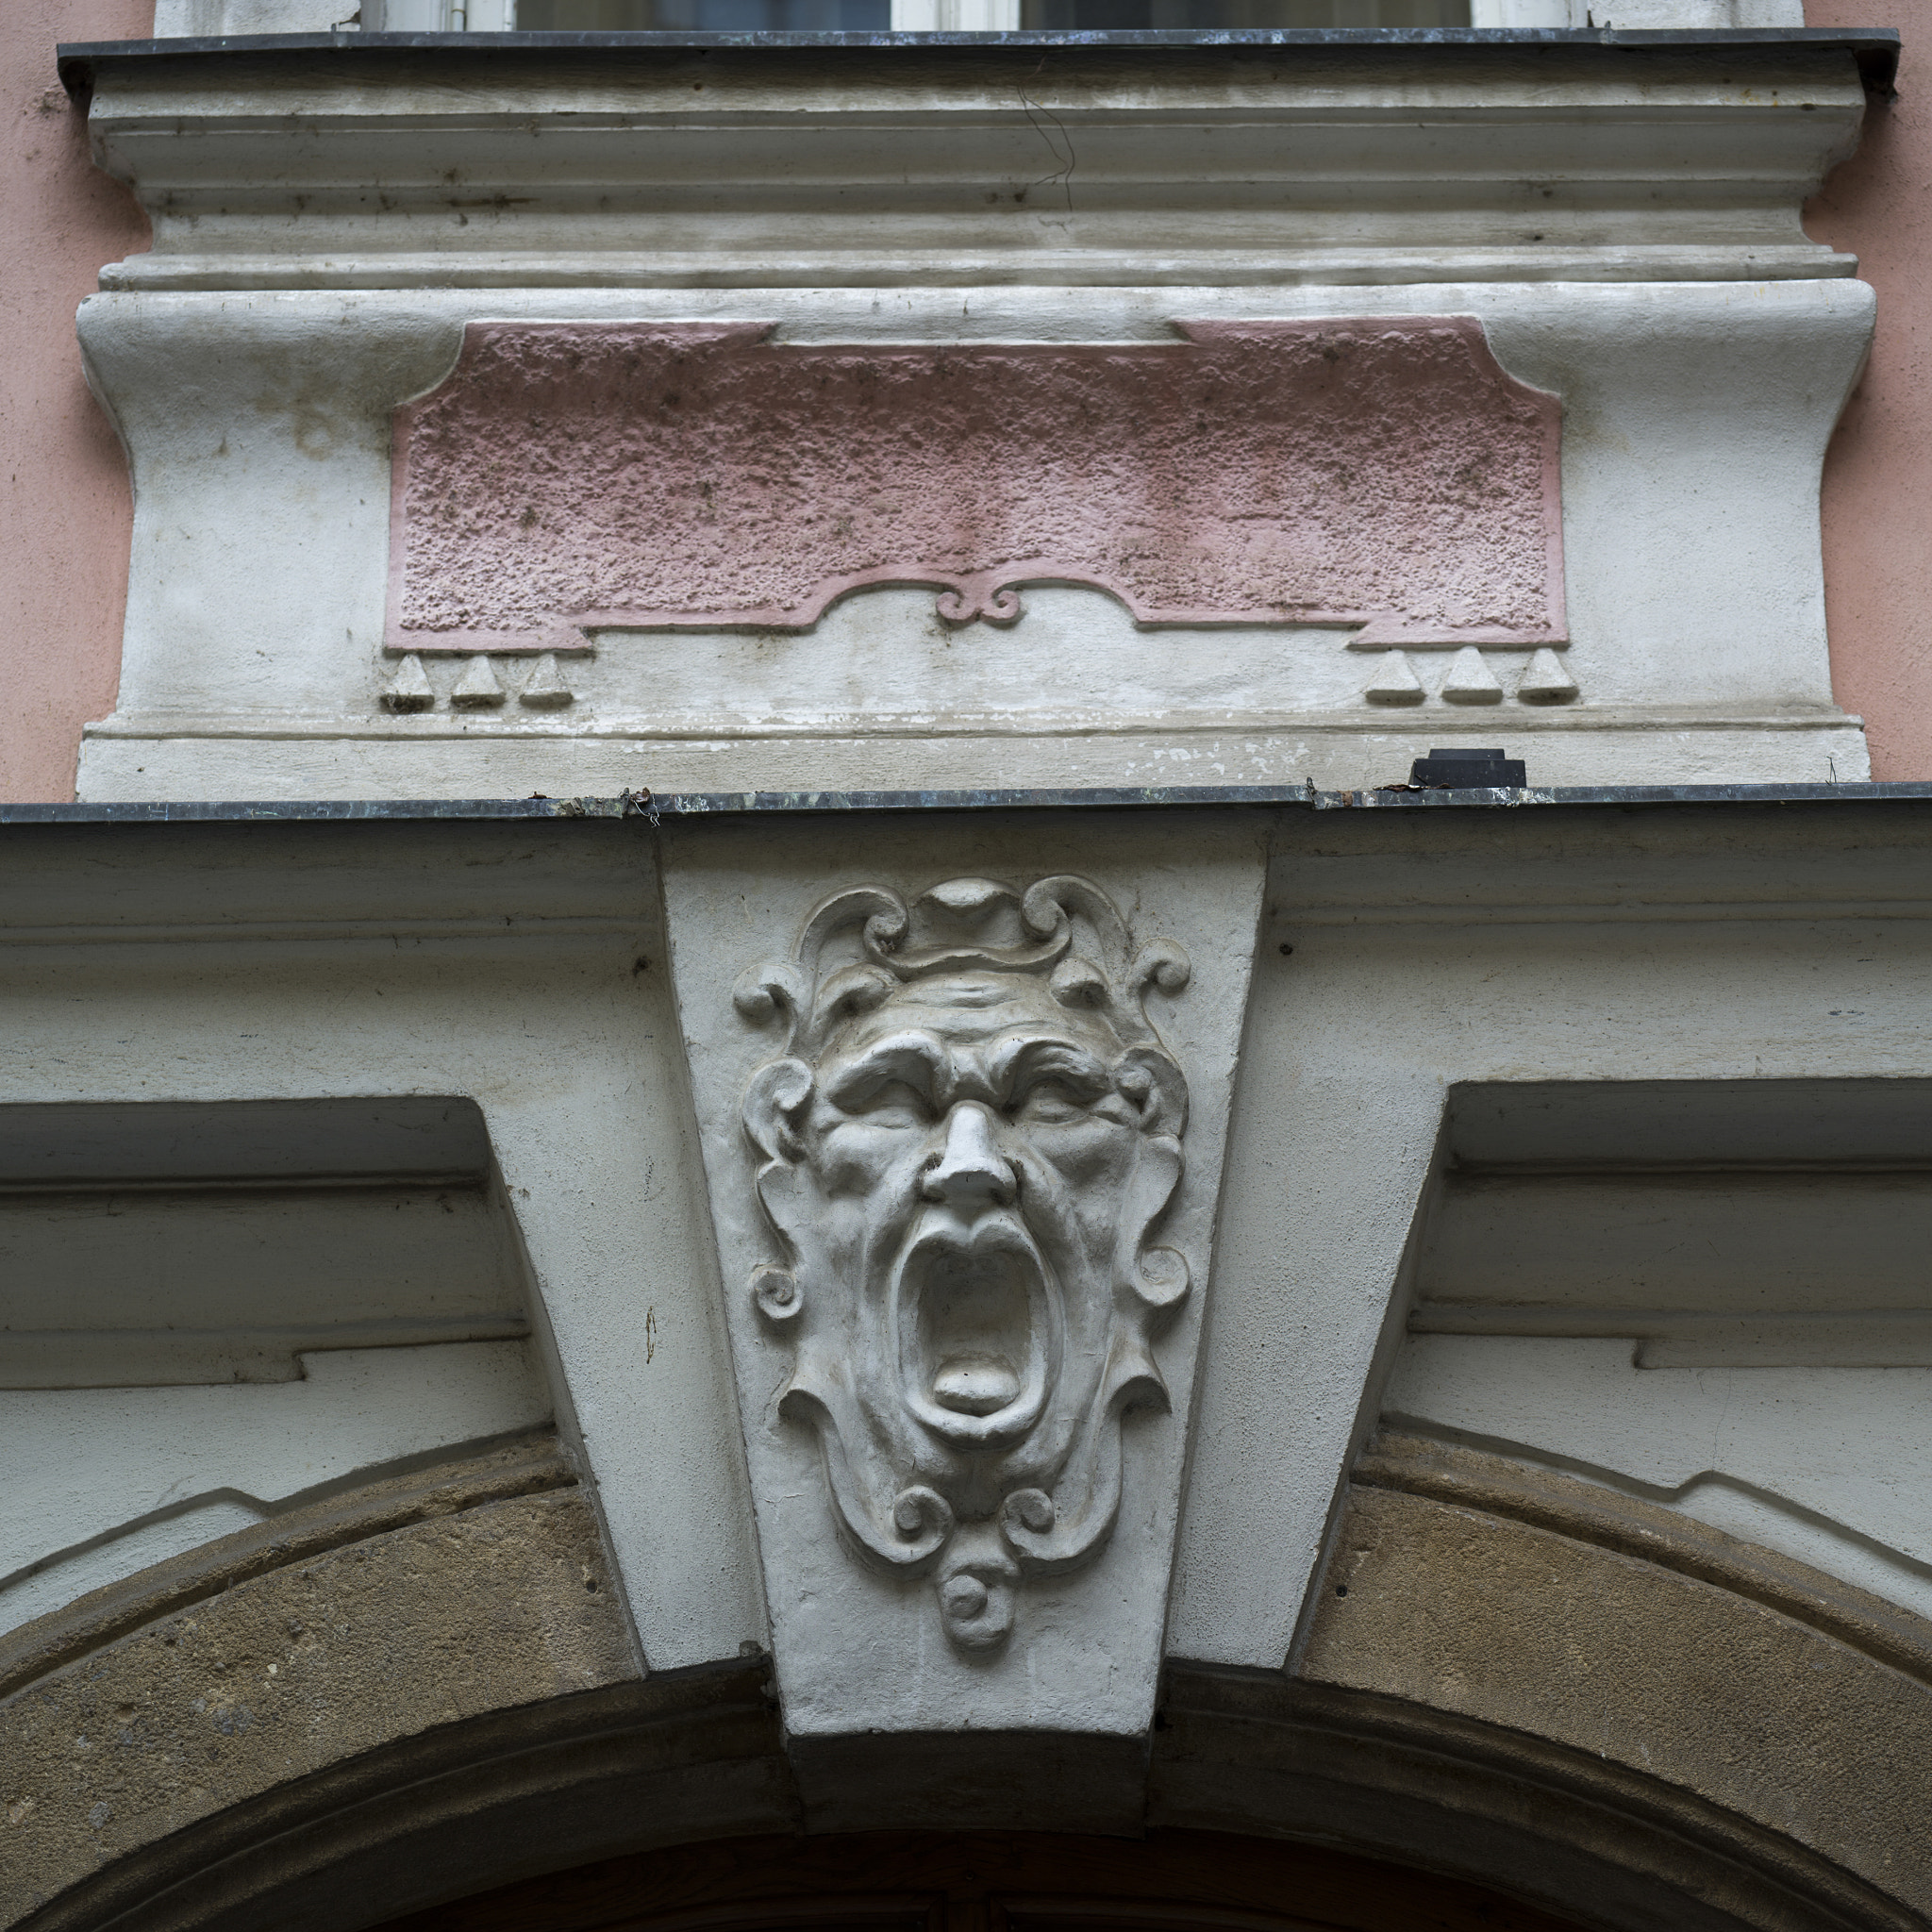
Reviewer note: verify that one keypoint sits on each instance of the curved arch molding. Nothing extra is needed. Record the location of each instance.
(427, 1688)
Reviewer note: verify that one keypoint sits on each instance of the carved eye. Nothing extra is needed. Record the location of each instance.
(891, 1103)
(1049, 1103)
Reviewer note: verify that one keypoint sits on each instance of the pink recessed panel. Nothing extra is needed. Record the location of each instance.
(569, 476)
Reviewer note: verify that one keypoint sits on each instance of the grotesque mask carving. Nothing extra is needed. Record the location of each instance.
(965, 1149)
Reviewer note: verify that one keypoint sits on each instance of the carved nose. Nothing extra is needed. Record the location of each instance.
(969, 1168)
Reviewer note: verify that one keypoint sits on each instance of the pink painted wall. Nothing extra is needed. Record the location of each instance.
(1878, 474)
(65, 503)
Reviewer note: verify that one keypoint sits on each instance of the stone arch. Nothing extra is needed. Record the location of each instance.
(459, 1708)
(927, 1881)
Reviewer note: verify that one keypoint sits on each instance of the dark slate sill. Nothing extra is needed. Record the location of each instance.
(643, 805)
(1876, 50)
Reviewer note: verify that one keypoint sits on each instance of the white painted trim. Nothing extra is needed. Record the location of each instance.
(1499, 13)
(956, 16)
(413, 16)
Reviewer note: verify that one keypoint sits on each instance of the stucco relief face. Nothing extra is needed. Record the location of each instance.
(964, 1157)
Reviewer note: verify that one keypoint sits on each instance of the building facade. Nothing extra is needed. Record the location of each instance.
(967, 967)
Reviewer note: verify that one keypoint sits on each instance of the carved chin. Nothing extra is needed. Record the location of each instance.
(976, 1333)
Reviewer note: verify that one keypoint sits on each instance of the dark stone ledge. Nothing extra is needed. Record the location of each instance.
(1876, 50)
(661, 805)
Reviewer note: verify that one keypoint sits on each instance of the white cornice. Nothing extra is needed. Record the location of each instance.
(1203, 167)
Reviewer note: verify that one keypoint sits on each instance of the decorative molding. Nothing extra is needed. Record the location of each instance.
(1547, 681)
(1679, 1338)
(1469, 680)
(965, 1149)
(1255, 731)
(476, 689)
(410, 690)
(478, 686)
(1395, 682)
(1382, 473)
(1533, 163)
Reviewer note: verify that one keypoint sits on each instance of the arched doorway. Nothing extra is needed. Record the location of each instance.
(1170, 1881)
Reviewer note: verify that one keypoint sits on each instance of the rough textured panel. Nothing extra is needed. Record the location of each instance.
(1744, 1708)
(529, 1466)
(287, 1674)
(1382, 472)
(1590, 1512)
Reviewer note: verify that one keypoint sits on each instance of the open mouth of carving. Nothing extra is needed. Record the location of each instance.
(974, 1339)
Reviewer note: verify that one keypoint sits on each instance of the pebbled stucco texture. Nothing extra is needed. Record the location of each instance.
(617, 474)
(64, 499)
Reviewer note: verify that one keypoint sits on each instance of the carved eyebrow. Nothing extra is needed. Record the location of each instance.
(913, 1059)
(1032, 1061)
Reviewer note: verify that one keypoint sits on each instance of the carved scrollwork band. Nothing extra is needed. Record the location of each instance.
(966, 1144)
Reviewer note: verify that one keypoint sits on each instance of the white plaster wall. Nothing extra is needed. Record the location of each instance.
(1830, 1465)
(176, 19)
(533, 983)
(1412, 968)
(1399, 953)
(296, 293)
(185, 1285)
(1678, 15)
(101, 1482)
(1697, 419)
(884, 662)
